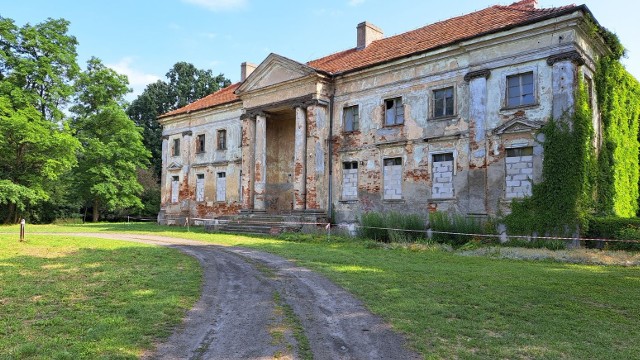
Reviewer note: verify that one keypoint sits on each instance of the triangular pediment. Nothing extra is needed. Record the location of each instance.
(174, 166)
(518, 125)
(275, 69)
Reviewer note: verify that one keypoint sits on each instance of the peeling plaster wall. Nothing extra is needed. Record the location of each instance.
(189, 163)
(279, 167)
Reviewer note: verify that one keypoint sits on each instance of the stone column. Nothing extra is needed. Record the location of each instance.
(564, 79)
(260, 171)
(248, 162)
(164, 197)
(300, 161)
(477, 174)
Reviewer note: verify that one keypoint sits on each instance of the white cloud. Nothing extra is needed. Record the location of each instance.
(355, 2)
(138, 79)
(219, 5)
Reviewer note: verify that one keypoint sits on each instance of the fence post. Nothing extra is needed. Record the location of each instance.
(22, 223)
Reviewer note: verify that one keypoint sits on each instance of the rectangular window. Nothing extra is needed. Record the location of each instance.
(351, 120)
(175, 188)
(392, 177)
(221, 187)
(394, 112)
(520, 90)
(350, 180)
(222, 139)
(176, 147)
(443, 102)
(200, 142)
(519, 172)
(200, 187)
(442, 179)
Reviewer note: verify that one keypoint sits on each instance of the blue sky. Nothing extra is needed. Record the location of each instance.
(144, 38)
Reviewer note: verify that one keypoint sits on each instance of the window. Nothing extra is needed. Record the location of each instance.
(442, 180)
(350, 180)
(175, 188)
(176, 147)
(199, 187)
(392, 178)
(519, 172)
(394, 112)
(200, 142)
(222, 139)
(520, 90)
(443, 102)
(350, 114)
(221, 187)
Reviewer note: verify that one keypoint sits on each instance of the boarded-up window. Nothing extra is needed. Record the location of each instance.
(520, 90)
(200, 187)
(176, 147)
(394, 112)
(221, 186)
(175, 188)
(200, 143)
(443, 102)
(519, 172)
(442, 180)
(392, 178)
(349, 180)
(222, 139)
(351, 121)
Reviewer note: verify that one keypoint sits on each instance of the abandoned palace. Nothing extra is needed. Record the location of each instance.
(441, 118)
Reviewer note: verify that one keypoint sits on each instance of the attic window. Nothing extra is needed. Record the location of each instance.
(394, 112)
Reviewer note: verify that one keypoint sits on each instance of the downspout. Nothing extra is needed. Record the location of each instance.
(330, 141)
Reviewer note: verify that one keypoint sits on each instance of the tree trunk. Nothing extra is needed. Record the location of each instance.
(96, 213)
(11, 213)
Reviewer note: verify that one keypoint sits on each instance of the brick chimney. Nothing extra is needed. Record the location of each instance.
(246, 68)
(367, 33)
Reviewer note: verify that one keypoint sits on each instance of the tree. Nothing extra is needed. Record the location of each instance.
(41, 61)
(37, 68)
(185, 85)
(113, 151)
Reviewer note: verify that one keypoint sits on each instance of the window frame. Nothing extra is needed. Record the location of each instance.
(349, 165)
(222, 139)
(397, 161)
(221, 175)
(200, 176)
(201, 142)
(175, 149)
(520, 75)
(355, 118)
(434, 101)
(397, 104)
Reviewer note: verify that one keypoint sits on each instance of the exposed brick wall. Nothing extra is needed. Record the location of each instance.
(442, 186)
(519, 172)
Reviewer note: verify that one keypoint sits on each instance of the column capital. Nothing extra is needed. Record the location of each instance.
(574, 56)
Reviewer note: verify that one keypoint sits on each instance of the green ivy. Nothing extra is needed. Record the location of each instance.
(619, 101)
(561, 202)
(573, 176)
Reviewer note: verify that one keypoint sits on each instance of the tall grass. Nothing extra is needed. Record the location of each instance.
(392, 227)
(455, 223)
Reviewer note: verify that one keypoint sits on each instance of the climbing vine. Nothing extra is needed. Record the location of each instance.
(579, 180)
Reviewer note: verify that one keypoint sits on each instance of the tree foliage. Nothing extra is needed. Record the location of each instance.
(185, 84)
(106, 176)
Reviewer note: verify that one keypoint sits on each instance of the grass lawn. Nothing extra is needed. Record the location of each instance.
(453, 306)
(79, 298)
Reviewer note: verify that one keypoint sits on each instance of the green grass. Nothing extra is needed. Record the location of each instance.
(452, 306)
(80, 298)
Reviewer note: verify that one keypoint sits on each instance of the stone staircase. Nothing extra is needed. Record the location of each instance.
(266, 224)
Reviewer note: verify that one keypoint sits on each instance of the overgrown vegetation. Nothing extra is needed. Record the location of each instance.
(563, 201)
(616, 229)
(392, 227)
(442, 223)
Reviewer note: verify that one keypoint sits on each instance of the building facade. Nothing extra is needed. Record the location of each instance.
(445, 117)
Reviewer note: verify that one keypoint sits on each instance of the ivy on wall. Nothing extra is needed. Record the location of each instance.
(619, 101)
(578, 182)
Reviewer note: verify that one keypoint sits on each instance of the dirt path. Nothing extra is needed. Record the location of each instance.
(256, 305)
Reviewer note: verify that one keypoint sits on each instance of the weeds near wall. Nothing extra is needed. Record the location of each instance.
(392, 227)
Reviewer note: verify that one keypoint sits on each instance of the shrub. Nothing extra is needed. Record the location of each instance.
(376, 226)
(617, 229)
(455, 223)
(537, 244)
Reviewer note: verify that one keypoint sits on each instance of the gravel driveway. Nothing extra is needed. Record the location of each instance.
(256, 305)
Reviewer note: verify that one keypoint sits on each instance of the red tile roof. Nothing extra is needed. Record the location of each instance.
(431, 37)
(220, 97)
(492, 19)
